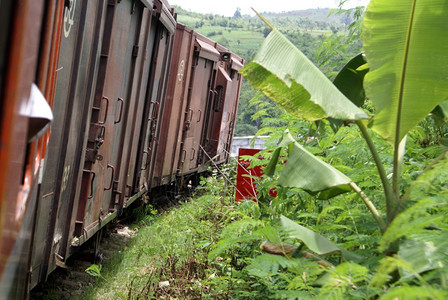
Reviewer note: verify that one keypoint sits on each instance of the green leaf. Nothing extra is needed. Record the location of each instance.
(291, 294)
(425, 193)
(421, 255)
(345, 277)
(350, 79)
(270, 168)
(406, 45)
(440, 113)
(432, 182)
(412, 220)
(314, 241)
(285, 75)
(94, 270)
(415, 292)
(226, 244)
(305, 171)
(350, 82)
(266, 265)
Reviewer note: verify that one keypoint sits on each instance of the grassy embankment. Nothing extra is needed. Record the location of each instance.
(168, 256)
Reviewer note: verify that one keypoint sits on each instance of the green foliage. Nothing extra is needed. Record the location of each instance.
(409, 254)
(343, 282)
(144, 214)
(409, 222)
(398, 57)
(340, 46)
(266, 265)
(428, 193)
(233, 235)
(94, 270)
(350, 80)
(331, 182)
(285, 75)
(301, 90)
(315, 242)
(415, 292)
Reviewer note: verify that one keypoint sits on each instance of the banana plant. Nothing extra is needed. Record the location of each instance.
(406, 47)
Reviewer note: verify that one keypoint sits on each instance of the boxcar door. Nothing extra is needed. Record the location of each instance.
(122, 189)
(74, 89)
(158, 53)
(153, 103)
(170, 140)
(126, 96)
(219, 112)
(108, 110)
(227, 129)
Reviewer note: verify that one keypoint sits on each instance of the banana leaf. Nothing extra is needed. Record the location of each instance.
(314, 241)
(286, 75)
(440, 113)
(350, 82)
(350, 79)
(406, 46)
(305, 171)
(423, 256)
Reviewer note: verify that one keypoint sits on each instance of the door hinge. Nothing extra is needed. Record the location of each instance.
(135, 51)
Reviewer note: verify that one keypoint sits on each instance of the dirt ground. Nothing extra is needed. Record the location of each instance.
(72, 281)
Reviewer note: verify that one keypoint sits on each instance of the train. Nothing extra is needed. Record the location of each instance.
(102, 102)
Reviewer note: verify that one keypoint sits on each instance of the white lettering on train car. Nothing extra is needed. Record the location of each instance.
(65, 177)
(69, 16)
(180, 72)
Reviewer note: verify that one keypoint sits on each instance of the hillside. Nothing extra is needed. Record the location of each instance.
(319, 14)
(243, 34)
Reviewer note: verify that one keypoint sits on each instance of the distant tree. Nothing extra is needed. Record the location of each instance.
(333, 29)
(223, 23)
(237, 13)
(266, 31)
(199, 24)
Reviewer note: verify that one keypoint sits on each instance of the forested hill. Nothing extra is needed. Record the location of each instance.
(321, 36)
(318, 14)
(243, 34)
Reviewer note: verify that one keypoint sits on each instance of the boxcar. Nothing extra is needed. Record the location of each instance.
(137, 102)
(199, 108)
(105, 88)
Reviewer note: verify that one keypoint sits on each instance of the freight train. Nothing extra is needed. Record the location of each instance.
(101, 102)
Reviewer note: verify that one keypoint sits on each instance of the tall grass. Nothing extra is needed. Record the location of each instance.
(168, 257)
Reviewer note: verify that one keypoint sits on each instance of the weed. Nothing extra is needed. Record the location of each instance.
(94, 270)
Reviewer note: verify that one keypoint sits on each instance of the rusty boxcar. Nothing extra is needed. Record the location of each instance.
(137, 102)
(199, 109)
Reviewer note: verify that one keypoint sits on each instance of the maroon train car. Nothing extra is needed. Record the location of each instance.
(110, 68)
(200, 107)
(136, 101)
